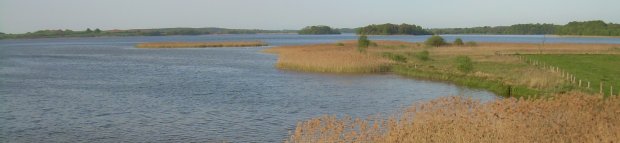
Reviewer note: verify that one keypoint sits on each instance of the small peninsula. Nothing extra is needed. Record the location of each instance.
(201, 44)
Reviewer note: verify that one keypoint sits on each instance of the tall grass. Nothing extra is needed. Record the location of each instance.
(573, 117)
(329, 58)
(200, 44)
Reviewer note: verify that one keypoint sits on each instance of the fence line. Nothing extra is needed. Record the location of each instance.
(567, 76)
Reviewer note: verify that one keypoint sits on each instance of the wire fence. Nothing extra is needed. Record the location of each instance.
(605, 88)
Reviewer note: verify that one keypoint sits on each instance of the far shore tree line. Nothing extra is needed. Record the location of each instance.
(318, 30)
(577, 28)
(585, 28)
(134, 32)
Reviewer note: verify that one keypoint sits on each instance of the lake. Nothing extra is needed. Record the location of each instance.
(105, 90)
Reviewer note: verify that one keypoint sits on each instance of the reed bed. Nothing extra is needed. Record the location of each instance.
(200, 44)
(329, 58)
(572, 117)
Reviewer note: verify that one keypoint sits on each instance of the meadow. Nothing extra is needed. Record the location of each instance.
(200, 44)
(595, 69)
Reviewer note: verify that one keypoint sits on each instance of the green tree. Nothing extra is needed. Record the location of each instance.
(435, 41)
(88, 30)
(97, 30)
(392, 29)
(458, 42)
(464, 64)
(317, 30)
(424, 55)
(362, 43)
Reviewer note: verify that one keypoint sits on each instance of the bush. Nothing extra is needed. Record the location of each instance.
(424, 55)
(458, 42)
(464, 64)
(339, 44)
(395, 57)
(362, 43)
(374, 44)
(471, 44)
(435, 41)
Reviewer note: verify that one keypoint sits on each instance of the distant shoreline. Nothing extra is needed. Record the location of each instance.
(583, 36)
(292, 33)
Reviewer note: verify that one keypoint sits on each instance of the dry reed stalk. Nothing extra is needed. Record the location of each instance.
(572, 117)
(200, 44)
(329, 58)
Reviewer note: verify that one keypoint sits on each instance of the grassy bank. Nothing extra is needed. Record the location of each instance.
(200, 44)
(570, 117)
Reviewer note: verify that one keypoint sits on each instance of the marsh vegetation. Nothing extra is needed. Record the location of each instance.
(543, 103)
(498, 67)
(570, 117)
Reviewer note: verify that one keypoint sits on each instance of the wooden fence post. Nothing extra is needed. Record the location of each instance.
(601, 90)
(580, 83)
(588, 84)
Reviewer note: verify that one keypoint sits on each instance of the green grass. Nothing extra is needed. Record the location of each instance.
(495, 86)
(593, 68)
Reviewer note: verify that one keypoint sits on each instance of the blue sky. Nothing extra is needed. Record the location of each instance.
(19, 16)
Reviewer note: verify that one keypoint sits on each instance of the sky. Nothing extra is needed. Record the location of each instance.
(20, 16)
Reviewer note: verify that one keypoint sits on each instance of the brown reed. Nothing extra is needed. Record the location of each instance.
(572, 117)
(329, 58)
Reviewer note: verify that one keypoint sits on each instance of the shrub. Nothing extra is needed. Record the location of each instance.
(395, 57)
(373, 44)
(362, 43)
(424, 55)
(464, 64)
(458, 42)
(435, 41)
(471, 44)
(339, 44)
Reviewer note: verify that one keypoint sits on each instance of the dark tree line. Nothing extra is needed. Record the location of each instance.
(135, 32)
(518, 29)
(318, 30)
(586, 28)
(589, 28)
(392, 29)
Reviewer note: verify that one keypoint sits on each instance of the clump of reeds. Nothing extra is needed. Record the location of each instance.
(573, 117)
(200, 44)
(342, 58)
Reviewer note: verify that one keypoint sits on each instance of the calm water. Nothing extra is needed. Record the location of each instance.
(104, 90)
